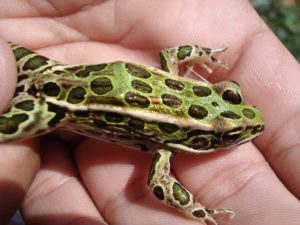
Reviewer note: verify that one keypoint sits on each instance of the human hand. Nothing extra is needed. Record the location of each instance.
(100, 183)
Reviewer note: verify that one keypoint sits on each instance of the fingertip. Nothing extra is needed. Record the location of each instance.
(8, 74)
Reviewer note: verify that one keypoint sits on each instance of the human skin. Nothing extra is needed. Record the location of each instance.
(101, 183)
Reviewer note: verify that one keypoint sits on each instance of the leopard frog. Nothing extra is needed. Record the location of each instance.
(154, 110)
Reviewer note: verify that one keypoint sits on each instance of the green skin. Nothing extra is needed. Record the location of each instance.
(136, 105)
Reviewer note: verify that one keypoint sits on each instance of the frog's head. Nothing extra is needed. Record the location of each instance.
(238, 122)
(219, 118)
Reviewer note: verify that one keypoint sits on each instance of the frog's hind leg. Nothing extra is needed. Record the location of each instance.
(28, 114)
(26, 117)
(171, 58)
(171, 192)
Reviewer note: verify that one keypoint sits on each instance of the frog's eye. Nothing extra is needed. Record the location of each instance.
(232, 96)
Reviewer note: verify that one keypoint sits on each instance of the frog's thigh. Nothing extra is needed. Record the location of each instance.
(25, 118)
(167, 189)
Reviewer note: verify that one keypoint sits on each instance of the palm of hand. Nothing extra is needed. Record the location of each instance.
(112, 186)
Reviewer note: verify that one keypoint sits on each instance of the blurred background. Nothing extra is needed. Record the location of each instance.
(283, 17)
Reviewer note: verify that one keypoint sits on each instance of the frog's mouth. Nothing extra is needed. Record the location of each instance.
(232, 136)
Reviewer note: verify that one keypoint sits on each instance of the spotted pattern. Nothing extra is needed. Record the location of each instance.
(26, 105)
(250, 114)
(58, 72)
(89, 69)
(141, 86)
(159, 192)
(19, 89)
(59, 114)
(180, 194)
(171, 100)
(137, 100)
(22, 77)
(21, 52)
(197, 111)
(184, 52)
(169, 128)
(114, 117)
(230, 115)
(136, 124)
(76, 95)
(32, 90)
(215, 104)
(134, 105)
(137, 71)
(174, 84)
(200, 213)
(51, 89)
(199, 139)
(232, 96)
(101, 85)
(201, 91)
(74, 69)
(10, 125)
(35, 63)
(163, 62)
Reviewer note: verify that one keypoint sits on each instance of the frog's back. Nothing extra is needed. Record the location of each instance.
(132, 101)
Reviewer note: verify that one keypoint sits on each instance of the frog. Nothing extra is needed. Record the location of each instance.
(155, 110)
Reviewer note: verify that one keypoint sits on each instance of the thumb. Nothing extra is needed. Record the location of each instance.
(19, 162)
(8, 77)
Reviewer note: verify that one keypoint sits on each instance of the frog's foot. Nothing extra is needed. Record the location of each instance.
(207, 214)
(171, 58)
(206, 57)
(211, 59)
(172, 193)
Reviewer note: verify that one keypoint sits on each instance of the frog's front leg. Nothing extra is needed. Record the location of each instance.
(170, 58)
(167, 189)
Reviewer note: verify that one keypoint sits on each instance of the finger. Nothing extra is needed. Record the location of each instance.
(117, 181)
(8, 71)
(239, 179)
(57, 195)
